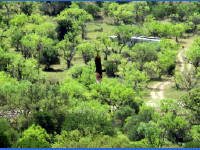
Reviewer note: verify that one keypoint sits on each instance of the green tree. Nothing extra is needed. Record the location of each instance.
(159, 29)
(122, 14)
(16, 37)
(18, 67)
(152, 133)
(170, 105)
(131, 126)
(159, 11)
(185, 80)
(48, 53)
(140, 10)
(122, 113)
(53, 8)
(176, 127)
(5, 60)
(195, 19)
(87, 50)
(28, 7)
(178, 30)
(78, 16)
(106, 45)
(9, 89)
(19, 20)
(184, 10)
(123, 33)
(72, 89)
(45, 120)
(132, 76)
(8, 135)
(93, 9)
(166, 61)
(191, 101)
(144, 52)
(16, 32)
(106, 9)
(89, 117)
(195, 131)
(30, 43)
(46, 29)
(75, 139)
(65, 26)
(87, 76)
(34, 137)
(69, 47)
(152, 69)
(194, 53)
(111, 65)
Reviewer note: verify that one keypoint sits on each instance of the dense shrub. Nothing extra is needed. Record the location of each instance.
(7, 134)
(34, 137)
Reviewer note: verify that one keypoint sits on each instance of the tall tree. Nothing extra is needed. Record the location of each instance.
(77, 16)
(140, 10)
(69, 48)
(194, 53)
(87, 50)
(123, 33)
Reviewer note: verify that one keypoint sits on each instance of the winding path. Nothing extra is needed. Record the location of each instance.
(157, 90)
(181, 61)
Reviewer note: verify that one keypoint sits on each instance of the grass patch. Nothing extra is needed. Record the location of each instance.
(172, 93)
(56, 76)
(94, 29)
(60, 70)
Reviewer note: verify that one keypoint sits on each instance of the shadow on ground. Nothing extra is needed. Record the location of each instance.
(53, 70)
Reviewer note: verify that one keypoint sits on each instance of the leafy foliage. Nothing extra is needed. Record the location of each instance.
(7, 134)
(51, 98)
(34, 137)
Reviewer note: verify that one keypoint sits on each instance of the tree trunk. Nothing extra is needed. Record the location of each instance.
(68, 64)
(106, 57)
(83, 32)
(8, 12)
(120, 50)
(176, 39)
(46, 67)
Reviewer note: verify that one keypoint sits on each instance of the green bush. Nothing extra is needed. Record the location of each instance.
(111, 68)
(93, 10)
(34, 137)
(193, 144)
(123, 112)
(132, 123)
(46, 120)
(74, 139)
(49, 57)
(89, 118)
(159, 11)
(7, 134)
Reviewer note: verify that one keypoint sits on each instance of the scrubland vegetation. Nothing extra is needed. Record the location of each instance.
(48, 91)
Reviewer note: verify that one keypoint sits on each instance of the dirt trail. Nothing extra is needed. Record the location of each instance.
(180, 58)
(155, 87)
(157, 92)
(184, 66)
(162, 87)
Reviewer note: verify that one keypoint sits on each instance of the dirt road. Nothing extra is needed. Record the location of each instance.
(157, 90)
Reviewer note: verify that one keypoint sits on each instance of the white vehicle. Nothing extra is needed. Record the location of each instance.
(138, 39)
